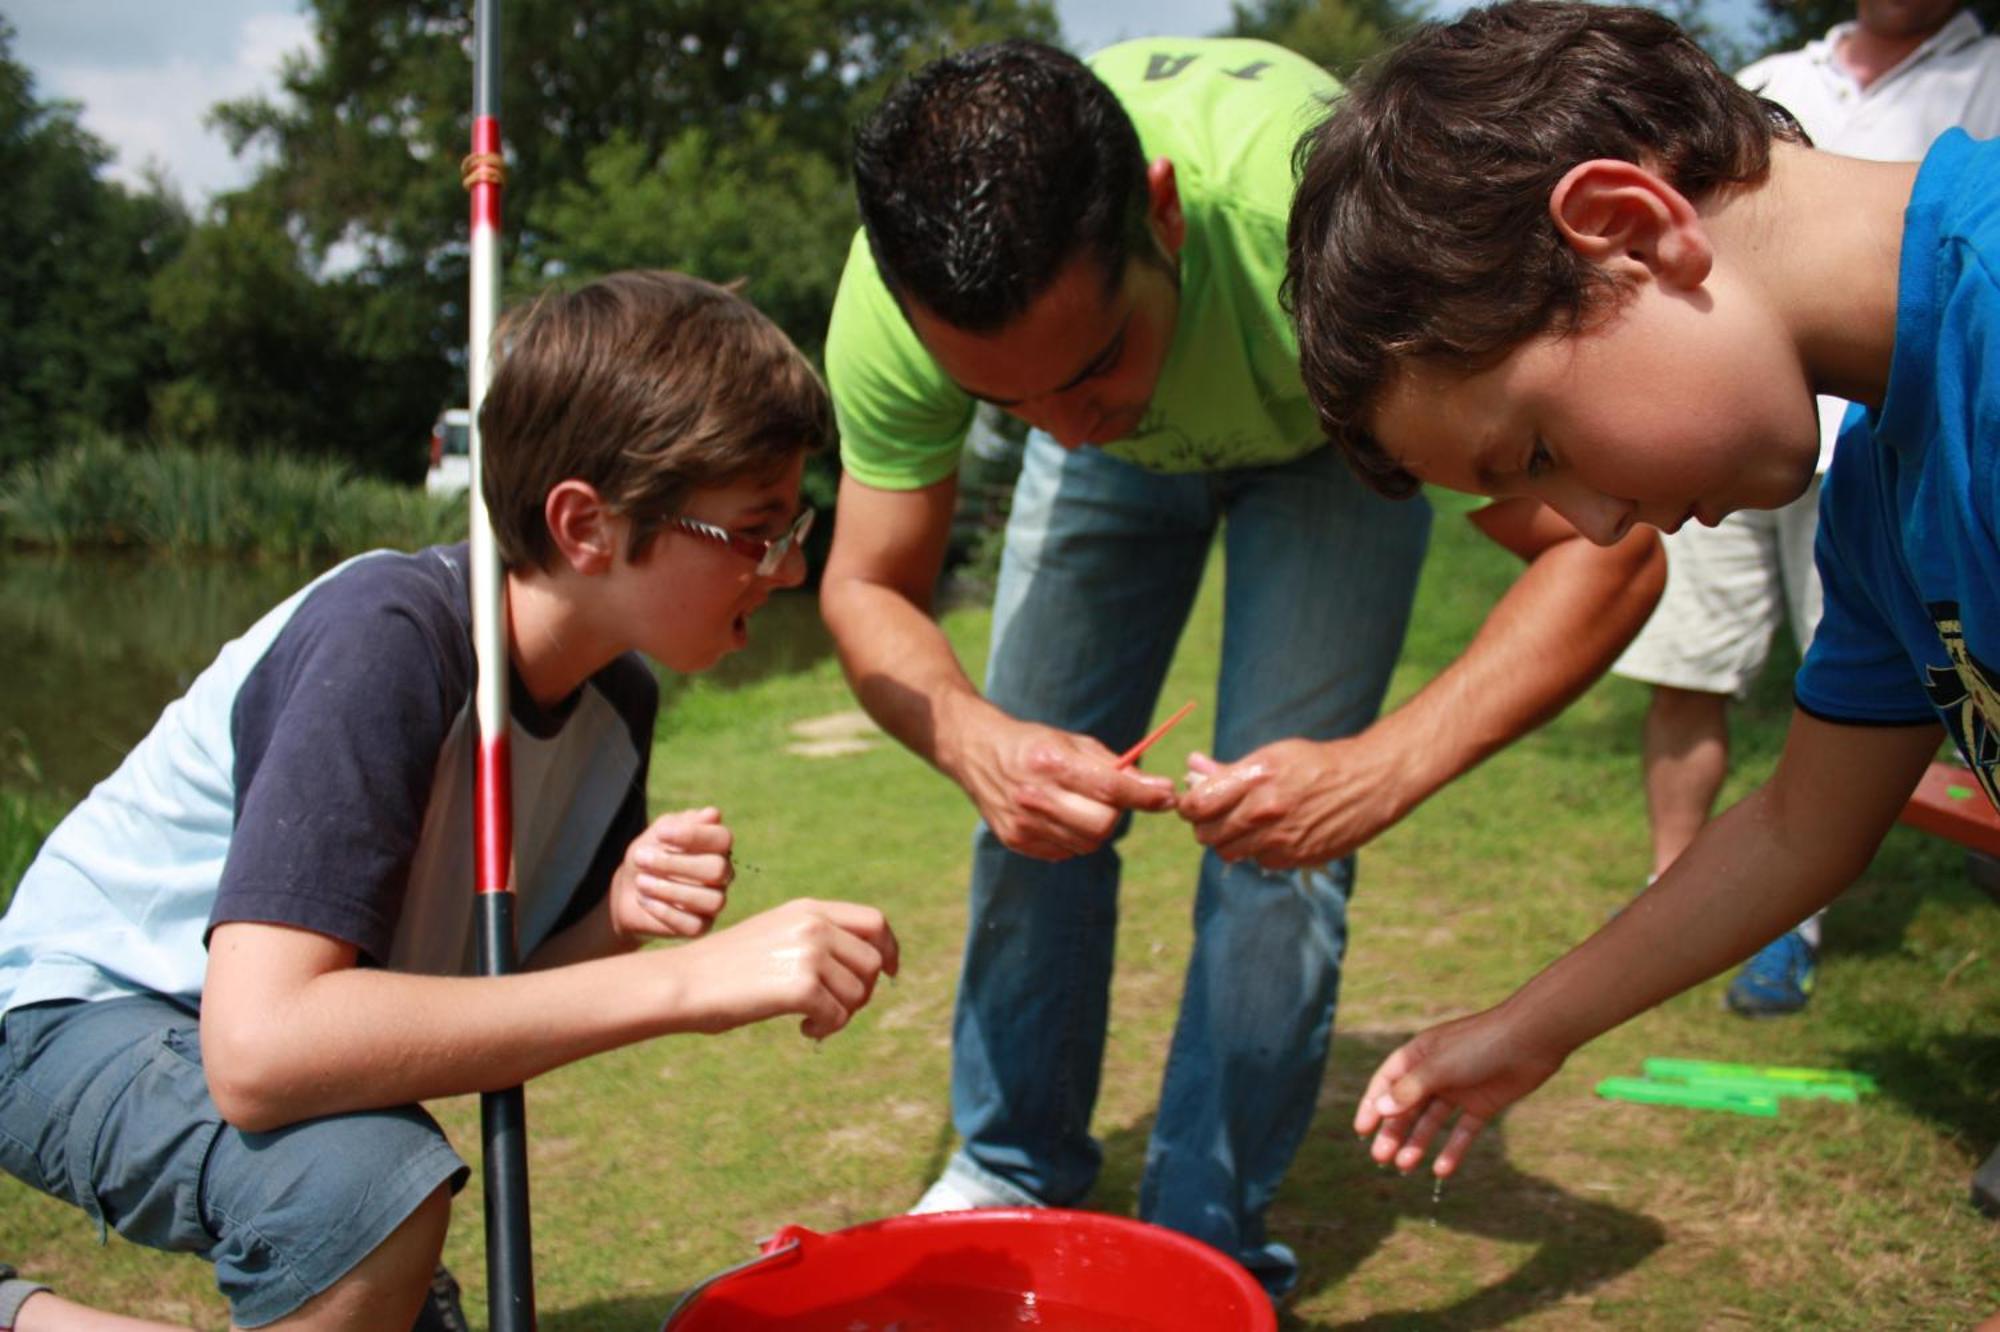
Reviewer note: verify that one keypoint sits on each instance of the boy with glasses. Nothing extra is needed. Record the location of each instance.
(234, 972)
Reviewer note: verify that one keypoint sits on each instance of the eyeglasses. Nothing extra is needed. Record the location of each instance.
(768, 552)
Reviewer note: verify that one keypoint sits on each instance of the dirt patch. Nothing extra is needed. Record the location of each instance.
(834, 735)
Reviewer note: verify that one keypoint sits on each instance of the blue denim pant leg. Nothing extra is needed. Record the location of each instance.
(1321, 576)
(1101, 565)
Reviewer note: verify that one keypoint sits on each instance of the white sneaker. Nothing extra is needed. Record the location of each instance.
(960, 1190)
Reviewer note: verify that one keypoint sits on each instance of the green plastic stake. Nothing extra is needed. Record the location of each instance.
(1762, 1104)
(1842, 1092)
(1703, 1070)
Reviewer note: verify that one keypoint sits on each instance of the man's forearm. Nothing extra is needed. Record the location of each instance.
(1557, 629)
(901, 667)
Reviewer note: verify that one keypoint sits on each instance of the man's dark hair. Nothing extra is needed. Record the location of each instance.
(983, 175)
(1421, 227)
(647, 385)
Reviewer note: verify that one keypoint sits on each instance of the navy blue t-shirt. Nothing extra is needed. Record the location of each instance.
(319, 774)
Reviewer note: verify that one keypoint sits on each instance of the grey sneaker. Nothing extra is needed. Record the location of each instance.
(1986, 1186)
(14, 1292)
(441, 1311)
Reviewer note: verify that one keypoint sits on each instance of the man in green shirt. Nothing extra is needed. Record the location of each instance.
(1100, 255)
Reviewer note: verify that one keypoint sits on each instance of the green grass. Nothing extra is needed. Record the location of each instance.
(657, 1165)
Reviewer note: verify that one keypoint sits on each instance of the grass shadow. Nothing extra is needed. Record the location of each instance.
(1948, 1080)
(1338, 1207)
(628, 1313)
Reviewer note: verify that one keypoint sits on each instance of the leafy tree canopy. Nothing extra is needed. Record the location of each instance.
(76, 254)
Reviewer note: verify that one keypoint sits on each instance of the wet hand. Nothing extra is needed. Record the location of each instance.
(1461, 1074)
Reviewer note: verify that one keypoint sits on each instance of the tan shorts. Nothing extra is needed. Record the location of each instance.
(1728, 588)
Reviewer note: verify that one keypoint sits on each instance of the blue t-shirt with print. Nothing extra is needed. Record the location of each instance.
(1907, 545)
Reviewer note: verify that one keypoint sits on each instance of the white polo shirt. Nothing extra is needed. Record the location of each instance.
(1952, 80)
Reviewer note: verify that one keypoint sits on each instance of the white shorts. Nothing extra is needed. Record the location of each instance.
(1728, 587)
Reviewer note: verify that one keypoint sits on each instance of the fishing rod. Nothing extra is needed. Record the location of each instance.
(503, 1119)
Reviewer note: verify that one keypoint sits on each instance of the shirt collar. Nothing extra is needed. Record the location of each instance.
(1962, 30)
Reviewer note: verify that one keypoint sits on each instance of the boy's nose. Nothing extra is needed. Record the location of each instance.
(1069, 422)
(1604, 521)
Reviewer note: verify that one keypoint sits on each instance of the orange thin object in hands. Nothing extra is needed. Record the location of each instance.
(1131, 756)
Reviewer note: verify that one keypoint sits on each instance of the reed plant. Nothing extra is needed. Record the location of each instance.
(104, 493)
(25, 820)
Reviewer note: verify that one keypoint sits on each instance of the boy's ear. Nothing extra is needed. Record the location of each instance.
(1621, 216)
(584, 528)
(1163, 205)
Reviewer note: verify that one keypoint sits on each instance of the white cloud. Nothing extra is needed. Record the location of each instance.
(1090, 24)
(152, 111)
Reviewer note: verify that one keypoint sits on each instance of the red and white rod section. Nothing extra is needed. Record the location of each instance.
(510, 1279)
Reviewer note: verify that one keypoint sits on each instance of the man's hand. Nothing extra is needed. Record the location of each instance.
(674, 878)
(1474, 1068)
(1294, 802)
(1050, 794)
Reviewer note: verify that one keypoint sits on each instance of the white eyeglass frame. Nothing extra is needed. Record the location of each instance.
(768, 552)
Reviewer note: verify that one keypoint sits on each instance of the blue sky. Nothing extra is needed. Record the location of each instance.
(146, 71)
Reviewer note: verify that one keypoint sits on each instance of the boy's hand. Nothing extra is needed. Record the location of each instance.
(1049, 793)
(1474, 1067)
(674, 878)
(1292, 802)
(817, 959)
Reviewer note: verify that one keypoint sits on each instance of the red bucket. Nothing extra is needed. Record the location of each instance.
(1001, 1270)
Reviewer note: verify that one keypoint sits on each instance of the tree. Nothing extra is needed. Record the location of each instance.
(268, 354)
(753, 209)
(708, 134)
(1337, 34)
(76, 254)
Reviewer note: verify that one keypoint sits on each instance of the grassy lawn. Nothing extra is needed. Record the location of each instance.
(655, 1166)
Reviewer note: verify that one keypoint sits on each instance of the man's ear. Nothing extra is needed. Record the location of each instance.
(1163, 206)
(1621, 216)
(584, 528)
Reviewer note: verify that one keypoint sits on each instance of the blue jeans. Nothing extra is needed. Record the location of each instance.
(1101, 566)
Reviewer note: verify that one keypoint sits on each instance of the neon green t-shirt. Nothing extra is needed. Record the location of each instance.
(1227, 113)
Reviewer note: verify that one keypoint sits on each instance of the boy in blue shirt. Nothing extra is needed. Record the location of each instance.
(236, 969)
(1551, 250)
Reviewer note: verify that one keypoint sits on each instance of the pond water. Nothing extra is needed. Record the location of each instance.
(93, 647)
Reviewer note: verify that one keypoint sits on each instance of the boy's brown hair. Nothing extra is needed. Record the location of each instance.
(646, 385)
(1421, 226)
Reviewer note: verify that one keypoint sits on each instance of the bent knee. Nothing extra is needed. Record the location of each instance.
(387, 1288)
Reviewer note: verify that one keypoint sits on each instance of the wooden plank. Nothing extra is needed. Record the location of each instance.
(1949, 802)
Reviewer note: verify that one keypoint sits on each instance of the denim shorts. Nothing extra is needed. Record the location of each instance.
(105, 1105)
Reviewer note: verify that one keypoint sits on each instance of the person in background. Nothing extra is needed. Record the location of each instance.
(1881, 87)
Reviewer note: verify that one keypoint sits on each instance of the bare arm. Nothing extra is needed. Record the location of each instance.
(1549, 637)
(1772, 860)
(1044, 792)
(876, 597)
(292, 1028)
(1556, 629)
